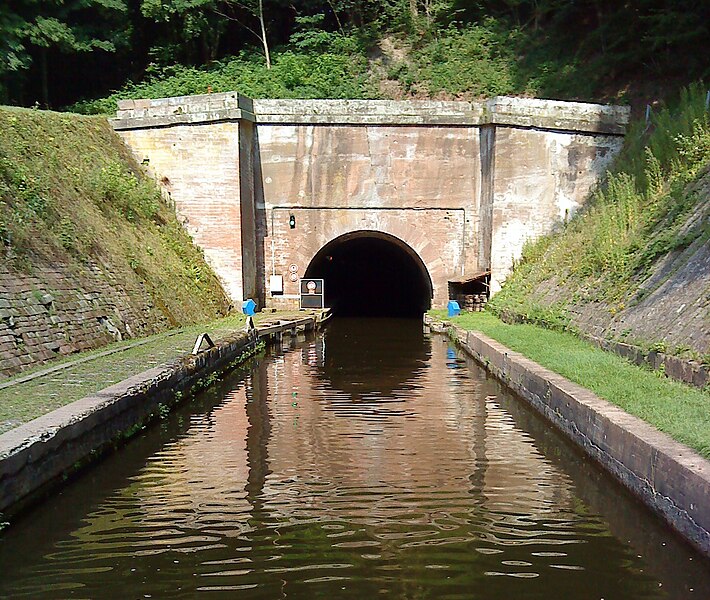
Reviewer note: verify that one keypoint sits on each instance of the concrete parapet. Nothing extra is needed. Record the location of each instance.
(183, 110)
(501, 110)
(369, 112)
(670, 478)
(511, 168)
(558, 115)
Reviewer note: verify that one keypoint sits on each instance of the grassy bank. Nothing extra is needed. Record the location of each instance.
(71, 193)
(678, 410)
(652, 204)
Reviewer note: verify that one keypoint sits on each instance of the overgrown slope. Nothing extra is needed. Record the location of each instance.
(635, 265)
(74, 202)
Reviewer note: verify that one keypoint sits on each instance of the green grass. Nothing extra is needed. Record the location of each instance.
(676, 409)
(71, 193)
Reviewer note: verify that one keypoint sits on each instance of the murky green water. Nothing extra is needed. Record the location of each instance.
(371, 461)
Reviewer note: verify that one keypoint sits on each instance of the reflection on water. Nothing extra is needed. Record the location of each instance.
(371, 460)
(358, 366)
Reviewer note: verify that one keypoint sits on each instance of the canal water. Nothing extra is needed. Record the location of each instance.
(371, 460)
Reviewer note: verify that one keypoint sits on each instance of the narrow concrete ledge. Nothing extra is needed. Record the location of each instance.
(555, 114)
(146, 121)
(37, 456)
(501, 110)
(670, 478)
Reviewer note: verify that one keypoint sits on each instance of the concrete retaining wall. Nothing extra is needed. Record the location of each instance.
(670, 478)
(39, 455)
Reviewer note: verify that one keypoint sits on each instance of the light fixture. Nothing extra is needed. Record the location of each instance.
(292, 221)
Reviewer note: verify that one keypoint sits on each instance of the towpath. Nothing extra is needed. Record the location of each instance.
(38, 391)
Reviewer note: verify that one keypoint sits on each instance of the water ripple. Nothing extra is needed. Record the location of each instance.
(319, 475)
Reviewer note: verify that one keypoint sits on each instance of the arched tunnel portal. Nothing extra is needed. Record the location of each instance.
(373, 274)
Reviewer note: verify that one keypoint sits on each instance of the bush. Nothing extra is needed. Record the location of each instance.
(336, 72)
(475, 61)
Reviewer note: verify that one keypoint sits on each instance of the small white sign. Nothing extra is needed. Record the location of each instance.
(276, 284)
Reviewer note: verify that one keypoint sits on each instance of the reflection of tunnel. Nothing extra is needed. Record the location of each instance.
(372, 274)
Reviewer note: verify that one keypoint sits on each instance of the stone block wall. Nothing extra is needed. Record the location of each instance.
(55, 311)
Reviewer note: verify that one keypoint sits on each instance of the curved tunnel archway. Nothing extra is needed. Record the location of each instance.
(372, 274)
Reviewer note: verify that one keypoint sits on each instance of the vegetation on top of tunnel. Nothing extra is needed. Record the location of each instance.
(674, 408)
(70, 193)
(635, 217)
(56, 54)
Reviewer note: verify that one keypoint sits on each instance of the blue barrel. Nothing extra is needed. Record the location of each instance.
(454, 308)
(249, 307)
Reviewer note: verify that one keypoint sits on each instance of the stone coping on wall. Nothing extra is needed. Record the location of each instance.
(670, 478)
(500, 110)
(37, 456)
(183, 110)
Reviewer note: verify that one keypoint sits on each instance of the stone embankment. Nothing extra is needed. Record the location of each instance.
(670, 478)
(39, 455)
(53, 312)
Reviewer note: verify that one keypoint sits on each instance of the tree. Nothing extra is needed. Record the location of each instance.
(31, 28)
(191, 29)
(244, 11)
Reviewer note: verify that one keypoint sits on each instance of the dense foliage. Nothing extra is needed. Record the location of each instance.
(55, 52)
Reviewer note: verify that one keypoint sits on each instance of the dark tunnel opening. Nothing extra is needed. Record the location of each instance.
(372, 275)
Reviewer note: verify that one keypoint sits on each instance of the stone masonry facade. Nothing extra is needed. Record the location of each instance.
(462, 185)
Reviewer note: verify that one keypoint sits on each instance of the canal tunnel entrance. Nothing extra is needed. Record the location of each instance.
(372, 274)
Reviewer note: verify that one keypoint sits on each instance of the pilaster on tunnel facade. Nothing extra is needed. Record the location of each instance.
(200, 150)
(263, 186)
